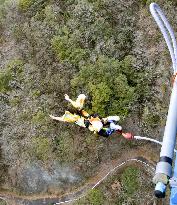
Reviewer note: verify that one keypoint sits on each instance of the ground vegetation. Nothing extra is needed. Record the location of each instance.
(110, 50)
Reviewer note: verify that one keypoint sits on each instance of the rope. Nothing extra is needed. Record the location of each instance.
(149, 139)
(167, 32)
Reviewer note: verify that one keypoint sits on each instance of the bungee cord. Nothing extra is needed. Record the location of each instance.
(149, 139)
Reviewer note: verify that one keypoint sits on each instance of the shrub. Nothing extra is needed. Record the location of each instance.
(106, 82)
(2, 202)
(2, 2)
(16, 66)
(129, 180)
(41, 148)
(5, 78)
(25, 4)
(31, 7)
(14, 101)
(65, 151)
(95, 197)
(91, 31)
(101, 94)
(92, 40)
(35, 93)
(67, 49)
(12, 72)
(39, 118)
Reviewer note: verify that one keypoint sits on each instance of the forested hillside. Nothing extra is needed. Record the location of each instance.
(112, 51)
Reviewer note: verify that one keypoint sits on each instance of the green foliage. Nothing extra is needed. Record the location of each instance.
(64, 148)
(151, 117)
(2, 2)
(153, 120)
(24, 116)
(25, 4)
(89, 32)
(91, 41)
(95, 197)
(2, 202)
(148, 2)
(49, 15)
(129, 180)
(67, 48)
(39, 118)
(5, 78)
(101, 94)
(41, 148)
(16, 66)
(144, 1)
(107, 84)
(13, 71)
(36, 93)
(90, 44)
(32, 7)
(15, 101)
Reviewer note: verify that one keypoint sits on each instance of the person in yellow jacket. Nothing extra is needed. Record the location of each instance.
(74, 118)
(92, 122)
